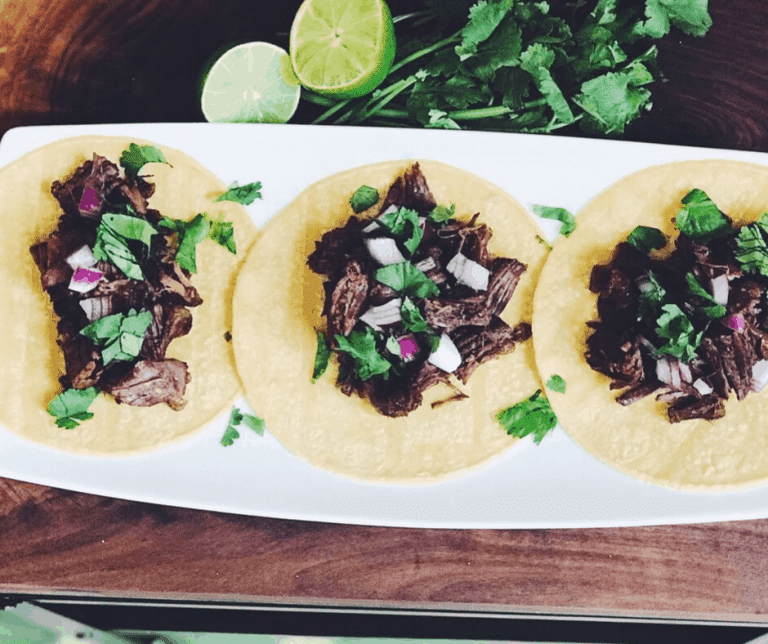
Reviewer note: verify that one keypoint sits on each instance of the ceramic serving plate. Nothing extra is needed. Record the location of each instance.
(552, 485)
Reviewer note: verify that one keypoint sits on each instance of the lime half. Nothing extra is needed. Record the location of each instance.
(342, 47)
(251, 83)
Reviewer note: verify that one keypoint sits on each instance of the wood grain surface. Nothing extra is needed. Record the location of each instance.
(86, 61)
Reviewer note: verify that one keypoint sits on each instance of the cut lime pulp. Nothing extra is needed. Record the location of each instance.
(251, 83)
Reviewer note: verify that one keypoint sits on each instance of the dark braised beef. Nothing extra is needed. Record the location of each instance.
(166, 290)
(624, 343)
(469, 317)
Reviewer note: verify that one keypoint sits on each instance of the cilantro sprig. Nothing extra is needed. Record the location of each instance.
(700, 219)
(403, 224)
(751, 250)
(196, 230)
(237, 418)
(566, 219)
(682, 338)
(533, 415)
(244, 195)
(119, 336)
(361, 345)
(71, 407)
(112, 242)
(135, 157)
(363, 198)
(522, 65)
(405, 278)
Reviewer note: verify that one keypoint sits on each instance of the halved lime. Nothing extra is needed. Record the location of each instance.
(251, 83)
(342, 47)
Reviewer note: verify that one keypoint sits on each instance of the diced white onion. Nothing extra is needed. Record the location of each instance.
(468, 272)
(720, 289)
(384, 250)
(427, 264)
(685, 372)
(95, 307)
(644, 283)
(760, 375)
(446, 356)
(668, 371)
(81, 258)
(702, 387)
(374, 225)
(387, 313)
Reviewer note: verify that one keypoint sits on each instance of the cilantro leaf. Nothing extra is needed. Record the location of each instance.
(531, 416)
(700, 219)
(677, 329)
(196, 230)
(361, 345)
(646, 238)
(484, 17)
(112, 236)
(652, 294)
(615, 98)
(715, 310)
(71, 406)
(399, 222)
(412, 319)
(236, 418)
(405, 278)
(223, 233)
(691, 16)
(441, 214)
(751, 250)
(536, 60)
(119, 336)
(137, 156)
(322, 354)
(244, 195)
(558, 214)
(556, 383)
(439, 120)
(363, 198)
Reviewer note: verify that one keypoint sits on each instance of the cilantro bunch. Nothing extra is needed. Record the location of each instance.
(521, 65)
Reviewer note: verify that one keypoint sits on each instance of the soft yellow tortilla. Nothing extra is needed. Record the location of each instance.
(278, 304)
(639, 440)
(31, 359)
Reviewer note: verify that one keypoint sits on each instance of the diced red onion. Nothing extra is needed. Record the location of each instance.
(720, 289)
(81, 258)
(446, 356)
(760, 375)
(387, 313)
(468, 272)
(89, 201)
(736, 322)
(84, 280)
(408, 347)
(384, 250)
(702, 387)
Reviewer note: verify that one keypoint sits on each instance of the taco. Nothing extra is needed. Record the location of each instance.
(197, 366)
(337, 423)
(676, 399)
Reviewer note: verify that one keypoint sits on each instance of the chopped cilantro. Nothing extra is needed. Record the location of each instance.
(404, 224)
(405, 278)
(412, 318)
(361, 345)
(363, 198)
(137, 156)
(119, 337)
(751, 251)
(646, 238)
(556, 383)
(713, 311)
(700, 219)
(690, 16)
(531, 416)
(677, 329)
(568, 221)
(244, 195)
(441, 214)
(71, 406)
(484, 17)
(196, 230)
(236, 418)
(322, 354)
(112, 238)
(536, 60)
(393, 345)
(652, 294)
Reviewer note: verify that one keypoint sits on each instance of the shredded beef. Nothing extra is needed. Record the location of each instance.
(152, 382)
(348, 299)
(492, 341)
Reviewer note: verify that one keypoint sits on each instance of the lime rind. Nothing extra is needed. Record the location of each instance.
(251, 83)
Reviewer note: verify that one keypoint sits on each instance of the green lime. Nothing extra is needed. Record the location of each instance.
(251, 83)
(342, 48)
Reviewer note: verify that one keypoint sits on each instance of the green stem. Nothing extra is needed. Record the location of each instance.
(415, 14)
(393, 91)
(330, 112)
(479, 113)
(423, 52)
(317, 99)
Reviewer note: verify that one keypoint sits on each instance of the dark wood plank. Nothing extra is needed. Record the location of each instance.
(75, 61)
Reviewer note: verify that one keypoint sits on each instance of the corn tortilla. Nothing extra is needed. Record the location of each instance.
(639, 440)
(32, 361)
(278, 304)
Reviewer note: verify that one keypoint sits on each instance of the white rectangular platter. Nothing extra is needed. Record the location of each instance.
(552, 485)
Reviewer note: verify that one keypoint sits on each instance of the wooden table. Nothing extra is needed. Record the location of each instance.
(78, 61)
